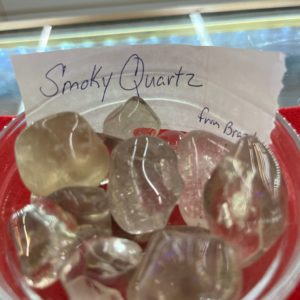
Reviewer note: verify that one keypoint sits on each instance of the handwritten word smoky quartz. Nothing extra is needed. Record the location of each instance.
(134, 113)
(56, 82)
(198, 154)
(58, 151)
(134, 76)
(144, 184)
(97, 261)
(43, 235)
(186, 264)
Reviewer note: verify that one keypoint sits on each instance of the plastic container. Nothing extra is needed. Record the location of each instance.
(273, 276)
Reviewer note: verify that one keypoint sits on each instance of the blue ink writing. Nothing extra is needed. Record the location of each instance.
(54, 84)
(204, 119)
(95, 80)
(138, 67)
(228, 129)
(140, 79)
(132, 77)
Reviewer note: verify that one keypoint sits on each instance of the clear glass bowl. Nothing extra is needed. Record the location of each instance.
(273, 276)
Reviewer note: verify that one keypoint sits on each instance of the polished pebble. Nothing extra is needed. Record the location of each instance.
(133, 115)
(88, 205)
(97, 261)
(198, 154)
(241, 209)
(144, 184)
(58, 151)
(186, 264)
(43, 235)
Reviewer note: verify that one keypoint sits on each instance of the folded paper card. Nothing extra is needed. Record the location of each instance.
(216, 86)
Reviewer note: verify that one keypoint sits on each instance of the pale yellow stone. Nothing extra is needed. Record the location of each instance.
(58, 151)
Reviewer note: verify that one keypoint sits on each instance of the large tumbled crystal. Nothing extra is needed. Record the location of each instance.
(186, 264)
(58, 151)
(135, 113)
(241, 209)
(43, 235)
(198, 154)
(250, 150)
(88, 205)
(144, 184)
(95, 262)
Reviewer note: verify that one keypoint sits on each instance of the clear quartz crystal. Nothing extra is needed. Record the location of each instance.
(198, 154)
(186, 264)
(88, 205)
(144, 184)
(250, 150)
(96, 261)
(43, 235)
(135, 113)
(82, 287)
(58, 151)
(241, 209)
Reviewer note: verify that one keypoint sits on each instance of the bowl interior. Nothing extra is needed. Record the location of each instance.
(275, 269)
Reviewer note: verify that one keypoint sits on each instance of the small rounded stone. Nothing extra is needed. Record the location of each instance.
(58, 151)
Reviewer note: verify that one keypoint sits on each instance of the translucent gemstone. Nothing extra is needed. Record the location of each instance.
(172, 137)
(43, 235)
(198, 154)
(240, 208)
(97, 261)
(141, 239)
(186, 264)
(135, 113)
(58, 151)
(81, 288)
(144, 184)
(109, 140)
(88, 205)
(250, 150)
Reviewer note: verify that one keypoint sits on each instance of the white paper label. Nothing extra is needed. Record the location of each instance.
(224, 87)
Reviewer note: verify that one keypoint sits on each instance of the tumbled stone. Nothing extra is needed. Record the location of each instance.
(96, 261)
(58, 151)
(88, 205)
(172, 137)
(134, 114)
(188, 265)
(141, 239)
(43, 235)
(198, 154)
(144, 184)
(81, 288)
(250, 150)
(240, 209)
(109, 140)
